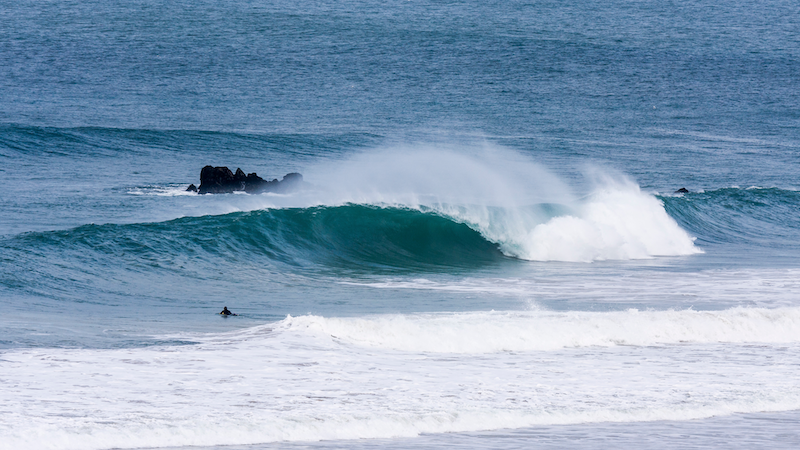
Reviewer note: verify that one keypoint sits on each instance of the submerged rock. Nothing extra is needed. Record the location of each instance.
(682, 191)
(220, 180)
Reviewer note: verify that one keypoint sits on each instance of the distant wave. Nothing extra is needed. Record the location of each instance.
(83, 142)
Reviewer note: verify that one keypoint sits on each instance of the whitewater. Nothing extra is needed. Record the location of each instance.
(312, 378)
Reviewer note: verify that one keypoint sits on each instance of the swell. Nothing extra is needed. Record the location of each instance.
(22, 141)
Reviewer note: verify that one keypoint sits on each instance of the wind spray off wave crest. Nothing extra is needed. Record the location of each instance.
(514, 203)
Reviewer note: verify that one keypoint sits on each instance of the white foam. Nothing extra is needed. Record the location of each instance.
(613, 224)
(488, 332)
(294, 380)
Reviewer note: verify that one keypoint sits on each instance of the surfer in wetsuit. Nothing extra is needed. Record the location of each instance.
(225, 312)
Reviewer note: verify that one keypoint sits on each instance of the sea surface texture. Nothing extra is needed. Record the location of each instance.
(489, 250)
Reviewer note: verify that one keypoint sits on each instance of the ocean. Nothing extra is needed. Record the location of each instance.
(491, 249)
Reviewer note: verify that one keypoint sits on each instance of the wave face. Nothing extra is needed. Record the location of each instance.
(348, 235)
(314, 378)
(411, 207)
(764, 217)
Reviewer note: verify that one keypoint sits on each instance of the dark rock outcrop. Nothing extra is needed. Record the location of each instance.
(682, 191)
(191, 188)
(220, 180)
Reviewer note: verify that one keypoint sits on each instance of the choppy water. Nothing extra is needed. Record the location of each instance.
(490, 251)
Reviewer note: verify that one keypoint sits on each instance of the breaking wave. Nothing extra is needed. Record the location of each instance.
(489, 332)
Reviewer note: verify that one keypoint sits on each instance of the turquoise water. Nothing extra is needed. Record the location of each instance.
(490, 251)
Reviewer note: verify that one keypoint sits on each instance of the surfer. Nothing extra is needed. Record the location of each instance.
(225, 312)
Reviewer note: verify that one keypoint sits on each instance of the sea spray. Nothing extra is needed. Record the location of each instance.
(528, 212)
(429, 175)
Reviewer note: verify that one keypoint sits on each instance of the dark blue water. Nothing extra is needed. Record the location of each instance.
(463, 158)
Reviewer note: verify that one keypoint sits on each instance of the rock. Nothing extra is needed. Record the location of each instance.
(216, 180)
(682, 191)
(191, 188)
(220, 180)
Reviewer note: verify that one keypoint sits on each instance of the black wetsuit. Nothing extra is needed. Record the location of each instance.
(225, 312)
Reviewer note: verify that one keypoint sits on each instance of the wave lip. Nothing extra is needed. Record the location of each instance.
(492, 332)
